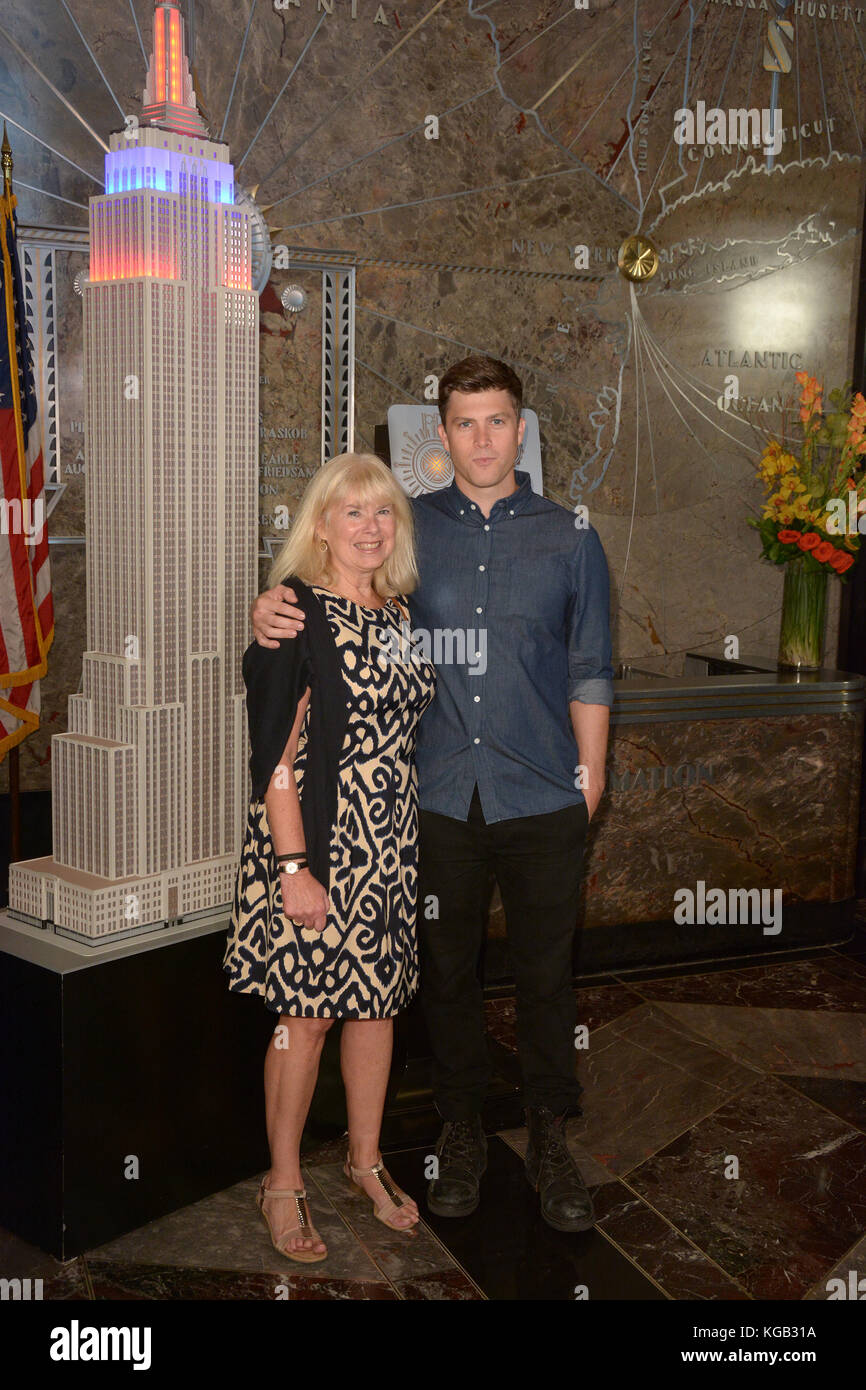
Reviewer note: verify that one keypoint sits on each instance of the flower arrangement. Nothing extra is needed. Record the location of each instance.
(813, 498)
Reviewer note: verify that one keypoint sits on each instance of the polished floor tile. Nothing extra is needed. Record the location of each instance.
(645, 1079)
(658, 1248)
(227, 1232)
(805, 1043)
(511, 1253)
(55, 1282)
(808, 984)
(847, 1099)
(856, 959)
(21, 1260)
(115, 1281)
(849, 1272)
(798, 1201)
(849, 967)
(450, 1287)
(400, 1256)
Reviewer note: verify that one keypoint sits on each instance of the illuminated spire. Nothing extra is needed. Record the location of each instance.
(169, 95)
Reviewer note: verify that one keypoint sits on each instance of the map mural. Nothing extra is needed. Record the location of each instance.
(477, 167)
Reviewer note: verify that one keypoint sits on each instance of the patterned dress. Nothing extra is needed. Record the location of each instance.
(365, 963)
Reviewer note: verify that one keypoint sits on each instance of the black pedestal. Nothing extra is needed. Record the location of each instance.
(117, 1060)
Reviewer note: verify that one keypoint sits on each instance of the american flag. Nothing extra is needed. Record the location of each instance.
(26, 604)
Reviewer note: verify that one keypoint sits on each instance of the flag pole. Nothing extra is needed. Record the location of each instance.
(14, 769)
(7, 164)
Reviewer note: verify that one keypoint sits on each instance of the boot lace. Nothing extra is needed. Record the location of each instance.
(555, 1156)
(460, 1143)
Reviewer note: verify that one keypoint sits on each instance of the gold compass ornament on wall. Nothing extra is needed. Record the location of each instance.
(638, 259)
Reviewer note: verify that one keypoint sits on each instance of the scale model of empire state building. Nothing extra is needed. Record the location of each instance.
(150, 783)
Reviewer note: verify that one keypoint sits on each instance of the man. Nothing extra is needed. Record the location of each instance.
(501, 783)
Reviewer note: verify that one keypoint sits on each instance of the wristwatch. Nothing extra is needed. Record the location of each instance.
(293, 866)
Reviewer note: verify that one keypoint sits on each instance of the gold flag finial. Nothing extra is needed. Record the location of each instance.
(6, 150)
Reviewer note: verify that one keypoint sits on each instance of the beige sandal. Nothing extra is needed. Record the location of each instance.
(396, 1197)
(304, 1224)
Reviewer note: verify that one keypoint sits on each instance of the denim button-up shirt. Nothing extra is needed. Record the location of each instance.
(513, 611)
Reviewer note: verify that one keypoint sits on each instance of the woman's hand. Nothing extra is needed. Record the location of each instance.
(305, 901)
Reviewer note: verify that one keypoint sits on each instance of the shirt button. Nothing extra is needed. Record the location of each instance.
(481, 567)
(487, 528)
(476, 740)
(477, 656)
(510, 513)
(472, 506)
(461, 511)
(477, 698)
(479, 610)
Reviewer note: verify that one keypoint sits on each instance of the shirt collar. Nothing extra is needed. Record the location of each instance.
(461, 506)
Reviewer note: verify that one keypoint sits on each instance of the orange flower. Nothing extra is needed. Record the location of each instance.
(810, 396)
(809, 540)
(858, 407)
(823, 551)
(788, 537)
(844, 564)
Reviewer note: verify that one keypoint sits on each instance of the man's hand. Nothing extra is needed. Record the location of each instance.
(592, 796)
(273, 616)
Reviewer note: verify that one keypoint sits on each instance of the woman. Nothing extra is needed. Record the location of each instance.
(323, 921)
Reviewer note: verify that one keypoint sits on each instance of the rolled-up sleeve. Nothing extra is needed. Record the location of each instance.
(275, 679)
(590, 672)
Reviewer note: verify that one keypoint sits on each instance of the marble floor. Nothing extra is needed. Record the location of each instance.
(723, 1138)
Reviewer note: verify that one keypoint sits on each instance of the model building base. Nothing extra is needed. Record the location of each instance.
(131, 1080)
(99, 911)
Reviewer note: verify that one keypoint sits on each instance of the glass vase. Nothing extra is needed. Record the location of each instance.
(804, 615)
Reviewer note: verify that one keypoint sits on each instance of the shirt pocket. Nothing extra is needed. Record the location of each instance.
(536, 593)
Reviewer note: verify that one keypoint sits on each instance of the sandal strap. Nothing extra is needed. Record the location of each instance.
(380, 1172)
(284, 1192)
(302, 1210)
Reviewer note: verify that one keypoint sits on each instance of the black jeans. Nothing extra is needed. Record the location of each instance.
(537, 861)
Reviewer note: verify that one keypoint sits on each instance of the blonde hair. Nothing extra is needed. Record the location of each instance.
(365, 478)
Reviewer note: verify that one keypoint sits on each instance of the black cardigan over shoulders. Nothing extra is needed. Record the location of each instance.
(275, 679)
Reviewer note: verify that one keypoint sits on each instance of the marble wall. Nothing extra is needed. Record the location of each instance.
(768, 803)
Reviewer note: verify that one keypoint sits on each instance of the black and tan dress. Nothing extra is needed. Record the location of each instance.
(365, 963)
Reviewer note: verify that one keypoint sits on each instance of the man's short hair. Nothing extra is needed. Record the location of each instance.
(479, 373)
